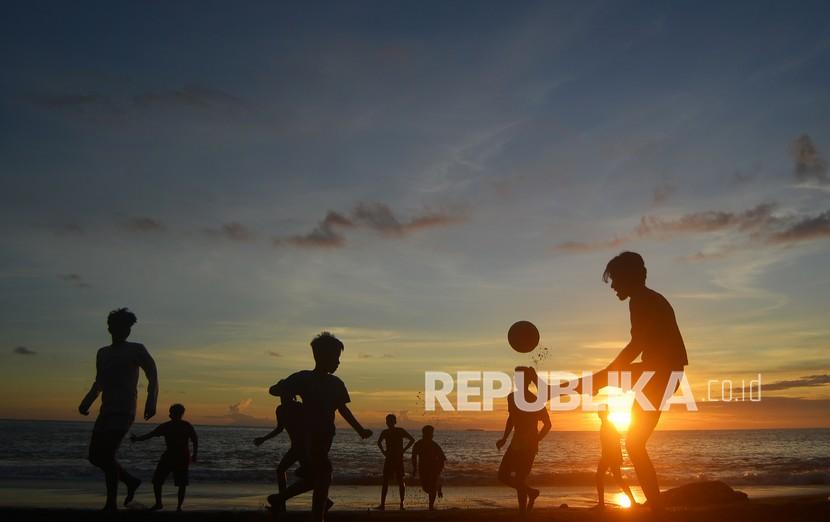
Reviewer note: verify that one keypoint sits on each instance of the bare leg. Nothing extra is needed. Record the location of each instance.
(320, 497)
(157, 493)
(602, 467)
(401, 489)
(623, 485)
(383, 491)
(182, 490)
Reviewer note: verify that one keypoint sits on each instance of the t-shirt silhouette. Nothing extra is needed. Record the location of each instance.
(525, 424)
(117, 376)
(322, 394)
(430, 455)
(176, 434)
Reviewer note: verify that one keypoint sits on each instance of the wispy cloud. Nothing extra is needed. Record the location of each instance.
(813, 227)
(191, 96)
(144, 225)
(22, 350)
(372, 216)
(233, 231)
(809, 166)
(75, 280)
(804, 382)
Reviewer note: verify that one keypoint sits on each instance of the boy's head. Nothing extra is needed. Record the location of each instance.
(391, 420)
(427, 432)
(326, 349)
(176, 411)
(120, 322)
(529, 376)
(603, 414)
(627, 273)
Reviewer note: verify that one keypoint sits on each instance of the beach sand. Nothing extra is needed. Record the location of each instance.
(806, 509)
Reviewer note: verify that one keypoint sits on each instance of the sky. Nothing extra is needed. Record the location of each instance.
(413, 177)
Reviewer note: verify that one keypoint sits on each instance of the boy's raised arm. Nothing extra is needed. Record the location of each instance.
(346, 413)
(139, 438)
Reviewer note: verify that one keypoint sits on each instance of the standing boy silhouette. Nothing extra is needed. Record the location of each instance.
(116, 379)
(176, 458)
(323, 394)
(393, 458)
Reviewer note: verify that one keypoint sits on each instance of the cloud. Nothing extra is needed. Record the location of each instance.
(375, 356)
(804, 382)
(22, 350)
(190, 96)
(809, 165)
(273, 353)
(707, 221)
(372, 216)
(233, 231)
(144, 225)
(814, 227)
(62, 101)
(236, 414)
(325, 235)
(75, 280)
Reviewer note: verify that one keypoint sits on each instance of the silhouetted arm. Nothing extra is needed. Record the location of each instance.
(380, 442)
(277, 389)
(93, 392)
(346, 413)
(545, 424)
(147, 364)
(627, 355)
(508, 427)
(271, 434)
(195, 440)
(411, 440)
(140, 438)
(415, 452)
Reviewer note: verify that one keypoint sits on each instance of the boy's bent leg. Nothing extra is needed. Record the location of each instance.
(102, 448)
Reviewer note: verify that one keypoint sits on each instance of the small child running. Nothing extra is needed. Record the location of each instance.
(289, 415)
(432, 459)
(611, 459)
(176, 458)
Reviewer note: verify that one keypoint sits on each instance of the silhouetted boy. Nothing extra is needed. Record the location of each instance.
(393, 458)
(518, 459)
(176, 458)
(432, 459)
(611, 458)
(323, 394)
(289, 415)
(116, 379)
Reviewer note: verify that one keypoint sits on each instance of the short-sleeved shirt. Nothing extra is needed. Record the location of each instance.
(322, 394)
(117, 376)
(176, 435)
(430, 455)
(525, 424)
(654, 326)
(394, 442)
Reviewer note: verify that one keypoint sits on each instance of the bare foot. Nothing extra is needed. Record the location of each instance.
(380, 507)
(156, 507)
(329, 504)
(531, 497)
(277, 503)
(131, 491)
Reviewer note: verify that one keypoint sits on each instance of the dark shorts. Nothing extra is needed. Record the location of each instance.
(429, 480)
(177, 465)
(518, 459)
(103, 446)
(393, 468)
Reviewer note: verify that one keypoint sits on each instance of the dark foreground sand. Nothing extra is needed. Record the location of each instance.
(807, 509)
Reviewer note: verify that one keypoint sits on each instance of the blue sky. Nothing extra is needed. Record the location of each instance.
(413, 176)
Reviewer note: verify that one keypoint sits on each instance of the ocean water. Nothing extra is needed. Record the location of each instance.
(40, 455)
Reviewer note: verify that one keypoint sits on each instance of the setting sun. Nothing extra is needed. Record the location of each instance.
(622, 500)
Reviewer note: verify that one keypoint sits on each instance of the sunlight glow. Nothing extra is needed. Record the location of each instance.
(623, 500)
(619, 407)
